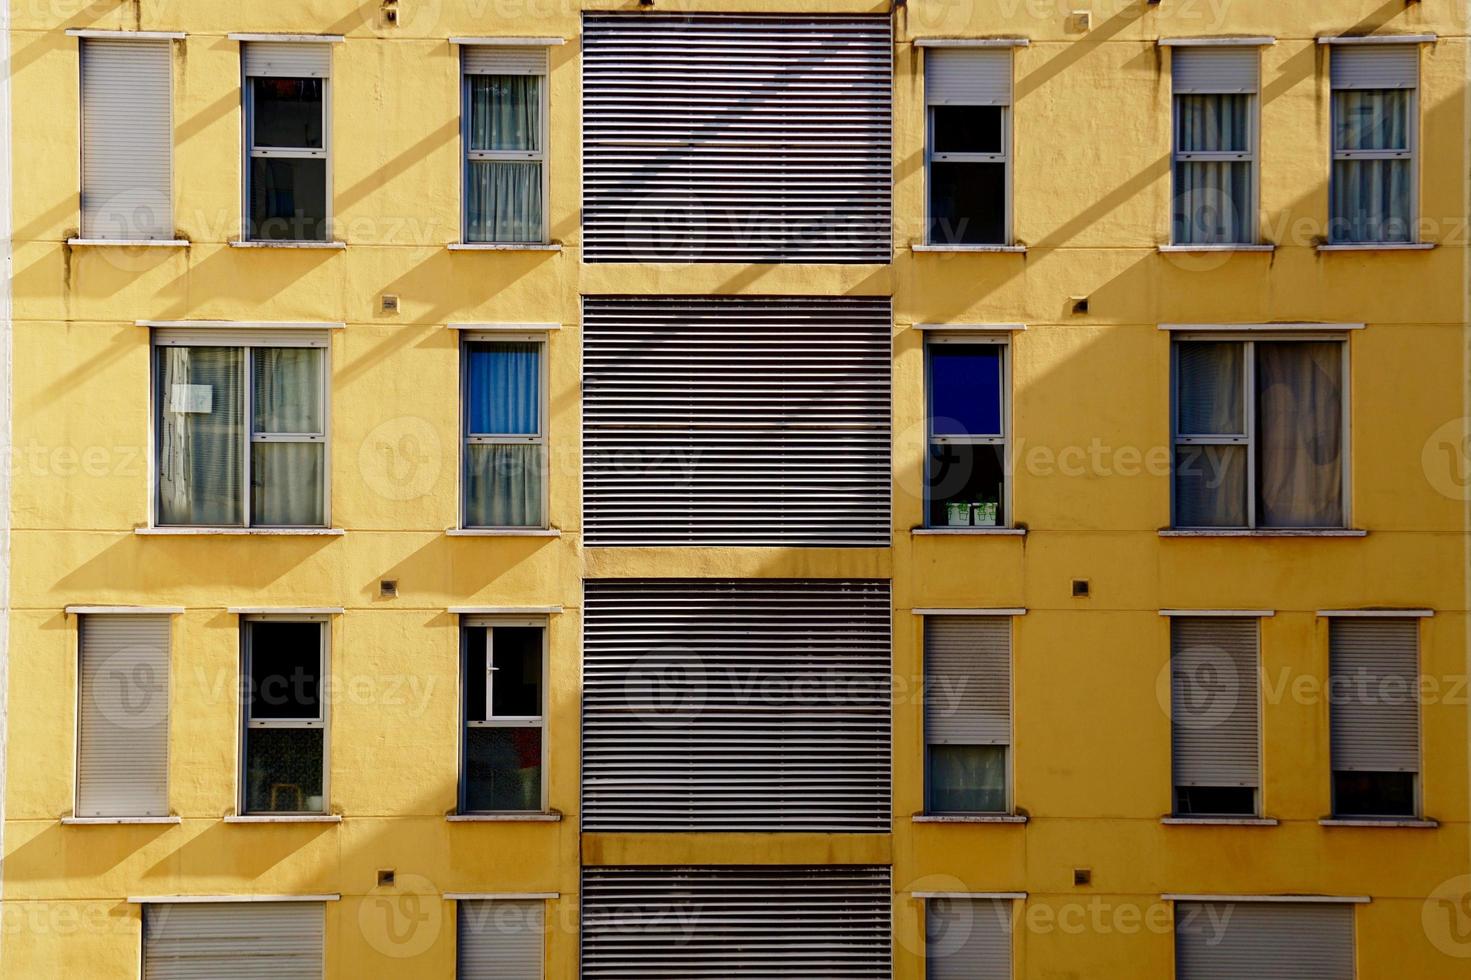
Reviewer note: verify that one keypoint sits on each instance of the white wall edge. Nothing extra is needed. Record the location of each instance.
(217, 899)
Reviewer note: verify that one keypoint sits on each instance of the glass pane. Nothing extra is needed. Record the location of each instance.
(503, 201)
(1213, 204)
(1374, 794)
(1210, 486)
(967, 204)
(1370, 119)
(967, 129)
(503, 388)
(503, 486)
(1211, 380)
(288, 200)
(516, 686)
(967, 778)
(287, 113)
(285, 671)
(198, 400)
(474, 680)
(504, 112)
(1371, 201)
(965, 389)
(1215, 801)
(502, 769)
(286, 484)
(283, 770)
(287, 389)
(1213, 123)
(1299, 434)
(965, 485)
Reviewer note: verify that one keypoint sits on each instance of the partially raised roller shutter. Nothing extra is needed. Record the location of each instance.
(967, 676)
(1216, 70)
(803, 923)
(1215, 692)
(1374, 667)
(1264, 940)
(287, 59)
(501, 940)
(736, 138)
(736, 705)
(127, 140)
(233, 941)
(1375, 66)
(739, 421)
(123, 717)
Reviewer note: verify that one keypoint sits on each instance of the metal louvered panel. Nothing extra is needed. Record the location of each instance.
(1375, 66)
(967, 680)
(233, 941)
(123, 717)
(1276, 940)
(1374, 690)
(736, 705)
(967, 76)
(736, 420)
(127, 139)
(1214, 693)
(501, 940)
(737, 138)
(497, 59)
(1203, 71)
(772, 922)
(967, 939)
(287, 59)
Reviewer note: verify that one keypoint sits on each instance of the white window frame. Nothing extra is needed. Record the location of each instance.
(1252, 156)
(1411, 153)
(324, 661)
(490, 623)
(468, 439)
(1259, 791)
(1010, 804)
(1248, 437)
(247, 98)
(1004, 341)
(1004, 158)
(467, 155)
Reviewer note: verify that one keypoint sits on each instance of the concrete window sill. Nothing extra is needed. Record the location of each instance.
(1002, 249)
(284, 818)
(1219, 821)
(128, 242)
(1012, 532)
(1402, 823)
(319, 245)
(505, 247)
(117, 821)
(549, 816)
(1233, 532)
(503, 532)
(1012, 818)
(186, 532)
(1378, 247)
(1218, 248)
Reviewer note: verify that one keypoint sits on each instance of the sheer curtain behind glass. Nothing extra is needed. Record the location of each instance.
(1300, 434)
(1213, 196)
(503, 193)
(503, 457)
(1210, 427)
(1372, 169)
(200, 435)
(288, 449)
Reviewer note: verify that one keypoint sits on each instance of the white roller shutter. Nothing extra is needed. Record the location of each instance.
(967, 680)
(287, 59)
(1264, 940)
(737, 138)
(123, 717)
(831, 923)
(1375, 66)
(501, 940)
(241, 336)
(1374, 694)
(1216, 70)
(736, 705)
(967, 76)
(736, 421)
(233, 941)
(497, 59)
(967, 939)
(1215, 691)
(127, 139)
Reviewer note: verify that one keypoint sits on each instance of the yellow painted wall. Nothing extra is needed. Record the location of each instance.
(1092, 737)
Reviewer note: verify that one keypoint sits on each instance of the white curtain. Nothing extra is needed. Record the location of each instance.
(503, 197)
(1213, 199)
(1210, 400)
(200, 435)
(286, 476)
(1300, 434)
(1371, 198)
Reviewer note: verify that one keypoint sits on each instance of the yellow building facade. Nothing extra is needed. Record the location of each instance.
(1092, 573)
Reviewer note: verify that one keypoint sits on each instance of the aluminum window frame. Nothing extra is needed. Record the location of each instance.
(542, 722)
(1410, 153)
(322, 721)
(539, 156)
(1005, 158)
(1003, 439)
(1010, 802)
(468, 438)
(252, 152)
(1259, 791)
(1251, 156)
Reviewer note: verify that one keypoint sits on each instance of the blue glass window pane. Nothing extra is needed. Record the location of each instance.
(503, 388)
(965, 389)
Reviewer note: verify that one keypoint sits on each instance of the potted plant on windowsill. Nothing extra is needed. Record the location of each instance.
(957, 514)
(985, 513)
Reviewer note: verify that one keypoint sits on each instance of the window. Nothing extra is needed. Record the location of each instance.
(211, 940)
(123, 716)
(967, 713)
(968, 145)
(1374, 705)
(966, 465)
(504, 692)
(240, 428)
(1214, 708)
(505, 143)
(1375, 132)
(1260, 433)
(505, 431)
(127, 139)
(1215, 145)
(967, 938)
(503, 939)
(287, 135)
(285, 739)
(1278, 939)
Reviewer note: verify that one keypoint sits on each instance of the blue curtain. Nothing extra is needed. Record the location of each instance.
(1371, 198)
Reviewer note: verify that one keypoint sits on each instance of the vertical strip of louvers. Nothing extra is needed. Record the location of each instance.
(724, 138)
(736, 705)
(830, 922)
(736, 421)
(123, 717)
(233, 941)
(1281, 940)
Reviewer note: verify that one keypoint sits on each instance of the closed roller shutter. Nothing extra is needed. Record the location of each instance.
(1374, 694)
(1214, 696)
(127, 140)
(501, 940)
(287, 59)
(967, 677)
(740, 421)
(736, 705)
(1263, 940)
(123, 717)
(1210, 70)
(967, 939)
(734, 138)
(957, 76)
(1375, 66)
(233, 941)
(831, 923)
(495, 59)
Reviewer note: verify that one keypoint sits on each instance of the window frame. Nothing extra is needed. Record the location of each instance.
(540, 156)
(1411, 153)
(1251, 156)
(1259, 790)
(468, 439)
(1418, 781)
(252, 152)
(1009, 810)
(971, 338)
(542, 722)
(1005, 158)
(1248, 439)
(323, 720)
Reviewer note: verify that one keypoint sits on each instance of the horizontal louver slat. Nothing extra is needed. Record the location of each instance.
(1276, 940)
(233, 941)
(287, 59)
(1375, 66)
(495, 59)
(127, 139)
(501, 940)
(967, 680)
(123, 717)
(962, 76)
(1216, 70)
(1214, 696)
(1374, 668)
